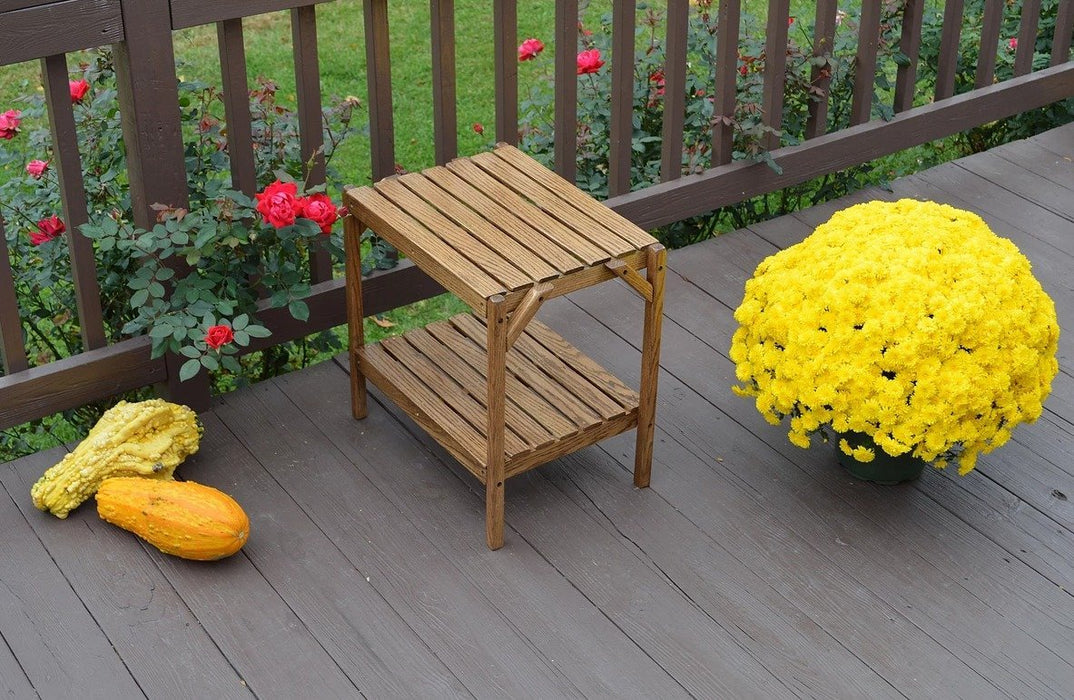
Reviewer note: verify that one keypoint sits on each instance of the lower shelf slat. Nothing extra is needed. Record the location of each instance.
(550, 416)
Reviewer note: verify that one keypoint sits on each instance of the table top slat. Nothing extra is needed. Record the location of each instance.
(460, 212)
(615, 223)
(432, 254)
(546, 226)
(479, 255)
(506, 219)
(578, 221)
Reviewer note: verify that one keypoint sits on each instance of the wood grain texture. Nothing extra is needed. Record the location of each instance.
(730, 17)
(950, 37)
(671, 131)
(505, 42)
(910, 46)
(58, 644)
(496, 390)
(670, 201)
(811, 480)
(1027, 37)
(77, 380)
(1064, 29)
(775, 69)
(240, 147)
(378, 70)
(374, 525)
(68, 164)
(621, 126)
(821, 76)
(566, 107)
(12, 348)
(989, 47)
(191, 13)
(656, 268)
(327, 590)
(142, 616)
(861, 107)
(40, 30)
(560, 622)
(352, 242)
(445, 117)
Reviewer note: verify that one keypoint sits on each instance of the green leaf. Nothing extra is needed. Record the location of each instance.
(299, 310)
(242, 338)
(139, 298)
(240, 322)
(189, 369)
(210, 363)
(190, 351)
(255, 331)
(161, 330)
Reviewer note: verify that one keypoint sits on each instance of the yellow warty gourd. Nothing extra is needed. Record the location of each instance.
(144, 438)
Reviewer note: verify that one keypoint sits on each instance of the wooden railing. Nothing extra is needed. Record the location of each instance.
(141, 33)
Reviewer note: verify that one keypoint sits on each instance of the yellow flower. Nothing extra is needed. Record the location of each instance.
(908, 321)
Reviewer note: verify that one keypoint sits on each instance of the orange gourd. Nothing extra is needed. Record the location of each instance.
(183, 518)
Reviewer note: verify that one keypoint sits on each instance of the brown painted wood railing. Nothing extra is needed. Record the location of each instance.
(141, 33)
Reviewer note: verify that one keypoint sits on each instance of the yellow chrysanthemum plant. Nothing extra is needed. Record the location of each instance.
(908, 322)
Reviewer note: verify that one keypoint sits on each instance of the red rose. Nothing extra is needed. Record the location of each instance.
(319, 209)
(79, 88)
(37, 168)
(218, 336)
(589, 61)
(9, 123)
(528, 49)
(657, 79)
(279, 203)
(479, 128)
(47, 229)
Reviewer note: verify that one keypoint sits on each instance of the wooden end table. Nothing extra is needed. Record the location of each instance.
(499, 390)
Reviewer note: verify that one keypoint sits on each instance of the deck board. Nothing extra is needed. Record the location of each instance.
(749, 568)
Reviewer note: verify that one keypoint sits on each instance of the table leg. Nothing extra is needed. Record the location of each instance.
(352, 234)
(656, 263)
(496, 317)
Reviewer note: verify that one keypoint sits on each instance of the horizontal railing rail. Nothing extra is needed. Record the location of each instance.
(140, 32)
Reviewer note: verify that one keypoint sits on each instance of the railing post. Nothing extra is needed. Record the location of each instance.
(152, 134)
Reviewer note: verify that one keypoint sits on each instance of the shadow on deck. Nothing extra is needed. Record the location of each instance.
(750, 568)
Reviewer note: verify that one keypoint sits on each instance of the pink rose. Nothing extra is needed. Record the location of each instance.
(319, 209)
(9, 123)
(218, 336)
(528, 49)
(279, 203)
(1012, 44)
(47, 229)
(79, 88)
(37, 168)
(589, 61)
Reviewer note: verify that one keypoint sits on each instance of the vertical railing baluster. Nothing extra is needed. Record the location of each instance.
(947, 67)
(775, 71)
(1027, 37)
(986, 56)
(12, 348)
(152, 135)
(910, 45)
(445, 109)
(68, 163)
(821, 76)
(379, 88)
(861, 106)
(1064, 27)
(236, 98)
(678, 27)
(310, 117)
(723, 132)
(566, 107)
(624, 16)
(505, 45)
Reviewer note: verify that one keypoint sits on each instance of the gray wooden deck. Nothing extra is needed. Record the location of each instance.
(751, 568)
